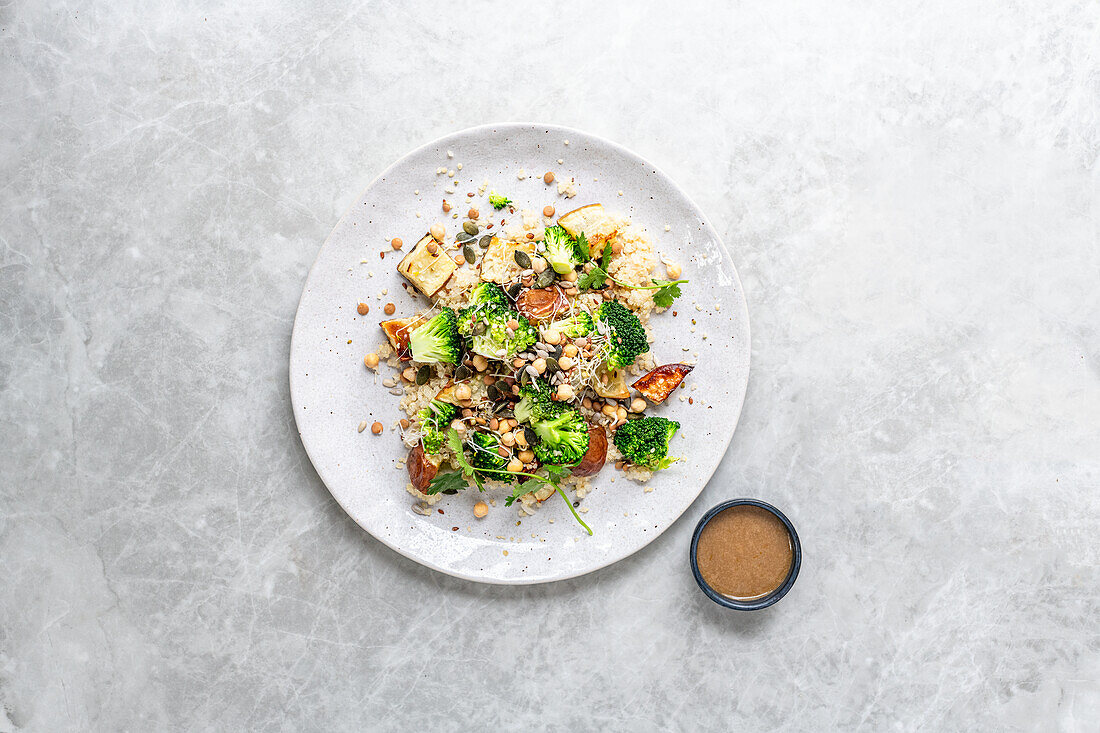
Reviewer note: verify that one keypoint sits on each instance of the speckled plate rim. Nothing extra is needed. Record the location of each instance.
(742, 315)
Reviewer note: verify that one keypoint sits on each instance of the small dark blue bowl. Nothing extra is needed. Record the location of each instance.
(758, 603)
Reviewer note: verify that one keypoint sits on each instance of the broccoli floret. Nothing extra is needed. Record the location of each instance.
(488, 293)
(434, 421)
(644, 442)
(486, 457)
(487, 327)
(577, 325)
(498, 201)
(437, 339)
(625, 334)
(563, 436)
(560, 250)
(534, 402)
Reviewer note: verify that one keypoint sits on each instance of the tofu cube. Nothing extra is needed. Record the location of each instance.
(427, 266)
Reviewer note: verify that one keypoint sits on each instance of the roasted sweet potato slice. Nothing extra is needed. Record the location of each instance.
(659, 383)
(596, 454)
(397, 332)
(421, 469)
(542, 304)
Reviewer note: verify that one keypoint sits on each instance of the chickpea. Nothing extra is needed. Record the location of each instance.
(362, 309)
(570, 277)
(481, 509)
(370, 361)
(376, 428)
(566, 363)
(539, 365)
(548, 211)
(462, 392)
(404, 424)
(458, 426)
(673, 271)
(569, 350)
(396, 243)
(526, 456)
(538, 264)
(521, 439)
(409, 375)
(616, 248)
(433, 247)
(637, 405)
(438, 232)
(565, 391)
(515, 466)
(480, 362)
(620, 414)
(503, 452)
(551, 336)
(587, 402)
(390, 309)
(608, 410)
(472, 213)
(548, 177)
(508, 439)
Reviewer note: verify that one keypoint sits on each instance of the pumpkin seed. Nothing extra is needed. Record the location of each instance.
(493, 392)
(423, 374)
(552, 365)
(468, 253)
(463, 237)
(463, 373)
(469, 227)
(545, 278)
(485, 241)
(513, 290)
(522, 259)
(530, 435)
(450, 491)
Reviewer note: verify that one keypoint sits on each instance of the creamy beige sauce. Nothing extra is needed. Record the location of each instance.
(744, 552)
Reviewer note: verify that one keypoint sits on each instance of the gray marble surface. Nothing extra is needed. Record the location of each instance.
(910, 191)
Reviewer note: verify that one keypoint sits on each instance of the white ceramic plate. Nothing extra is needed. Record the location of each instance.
(332, 392)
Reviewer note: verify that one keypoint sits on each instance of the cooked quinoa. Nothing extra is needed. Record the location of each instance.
(541, 360)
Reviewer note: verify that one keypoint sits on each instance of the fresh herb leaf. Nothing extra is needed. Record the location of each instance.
(454, 442)
(498, 201)
(668, 292)
(581, 247)
(597, 278)
(444, 482)
(527, 487)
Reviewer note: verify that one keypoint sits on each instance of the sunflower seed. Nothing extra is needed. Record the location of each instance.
(534, 373)
(485, 241)
(469, 228)
(362, 426)
(423, 374)
(469, 254)
(522, 259)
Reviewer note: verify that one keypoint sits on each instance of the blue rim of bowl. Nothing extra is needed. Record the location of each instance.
(758, 603)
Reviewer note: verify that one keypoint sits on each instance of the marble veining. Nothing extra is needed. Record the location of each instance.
(909, 191)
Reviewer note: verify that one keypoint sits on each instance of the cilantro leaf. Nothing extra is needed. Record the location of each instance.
(580, 245)
(598, 277)
(529, 486)
(668, 292)
(447, 483)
